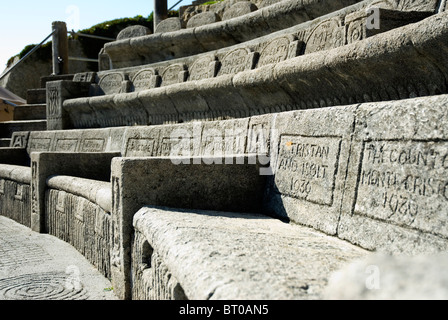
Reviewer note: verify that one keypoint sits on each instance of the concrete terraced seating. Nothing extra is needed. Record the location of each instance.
(199, 39)
(289, 74)
(16, 168)
(274, 181)
(333, 171)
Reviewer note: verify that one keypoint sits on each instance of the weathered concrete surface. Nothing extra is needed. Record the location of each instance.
(219, 256)
(316, 79)
(385, 277)
(227, 183)
(213, 36)
(397, 179)
(41, 267)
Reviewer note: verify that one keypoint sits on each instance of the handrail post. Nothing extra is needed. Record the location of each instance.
(160, 11)
(60, 48)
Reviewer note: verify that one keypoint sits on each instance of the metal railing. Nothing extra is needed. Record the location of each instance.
(79, 34)
(58, 58)
(172, 7)
(26, 56)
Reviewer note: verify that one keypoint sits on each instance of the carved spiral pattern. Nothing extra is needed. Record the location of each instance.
(48, 286)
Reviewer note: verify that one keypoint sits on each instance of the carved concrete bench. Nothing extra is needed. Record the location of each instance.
(96, 217)
(295, 83)
(186, 42)
(209, 37)
(208, 255)
(319, 34)
(336, 170)
(72, 200)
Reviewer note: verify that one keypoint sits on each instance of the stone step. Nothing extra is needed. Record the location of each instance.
(225, 256)
(44, 80)
(30, 112)
(36, 96)
(9, 127)
(5, 142)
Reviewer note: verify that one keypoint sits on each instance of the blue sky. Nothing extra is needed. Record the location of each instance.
(26, 22)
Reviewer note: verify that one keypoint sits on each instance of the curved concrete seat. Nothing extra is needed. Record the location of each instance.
(98, 192)
(320, 79)
(208, 255)
(185, 42)
(16, 173)
(78, 211)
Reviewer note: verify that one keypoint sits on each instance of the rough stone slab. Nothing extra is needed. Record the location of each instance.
(98, 192)
(16, 173)
(384, 277)
(133, 31)
(218, 256)
(83, 118)
(187, 100)
(203, 18)
(224, 138)
(19, 139)
(145, 79)
(123, 103)
(175, 73)
(95, 166)
(310, 152)
(30, 112)
(186, 42)
(237, 60)
(90, 77)
(414, 5)
(102, 140)
(163, 140)
(152, 100)
(223, 99)
(389, 20)
(204, 68)
(66, 141)
(259, 91)
(277, 50)
(112, 83)
(238, 9)
(8, 128)
(57, 93)
(36, 96)
(169, 25)
(230, 184)
(397, 176)
(314, 80)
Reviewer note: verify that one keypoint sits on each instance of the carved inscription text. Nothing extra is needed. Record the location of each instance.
(307, 168)
(405, 182)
